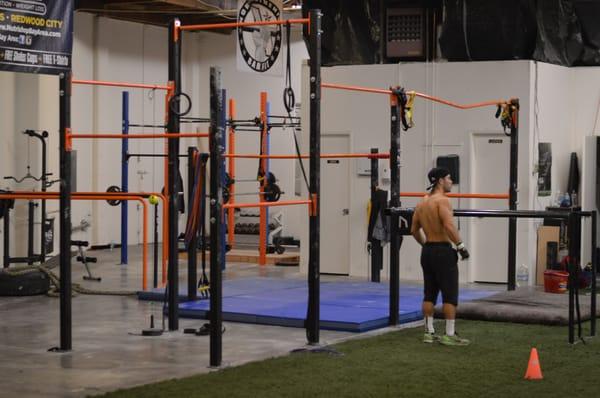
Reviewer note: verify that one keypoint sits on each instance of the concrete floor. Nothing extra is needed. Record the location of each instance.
(107, 352)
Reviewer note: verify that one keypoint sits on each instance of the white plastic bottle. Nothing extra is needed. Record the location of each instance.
(522, 275)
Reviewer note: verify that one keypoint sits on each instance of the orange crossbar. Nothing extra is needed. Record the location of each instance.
(226, 25)
(357, 88)
(323, 156)
(454, 104)
(120, 84)
(140, 136)
(459, 195)
(267, 204)
(424, 96)
(54, 195)
(165, 213)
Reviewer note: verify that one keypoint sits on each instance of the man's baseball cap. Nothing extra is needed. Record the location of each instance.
(435, 174)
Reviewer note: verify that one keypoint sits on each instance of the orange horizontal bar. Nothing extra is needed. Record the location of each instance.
(323, 156)
(140, 136)
(459, 195)
(120, 84)
(267, 204)
(54, 195)
(421, 95)
(224, 25)
(357, 88)
(454, 104)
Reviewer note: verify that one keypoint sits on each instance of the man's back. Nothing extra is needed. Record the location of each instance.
(428, 214)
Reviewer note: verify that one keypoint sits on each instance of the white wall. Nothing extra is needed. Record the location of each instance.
(113, 50)
(26, 103)
(568, 100)
(585, 96)
(7, 126)
(438, 130)
(558, 105)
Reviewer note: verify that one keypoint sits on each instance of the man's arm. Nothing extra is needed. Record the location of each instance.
(415, 228)
(447, 218)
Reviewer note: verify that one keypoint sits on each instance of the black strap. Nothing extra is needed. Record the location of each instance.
(400, 93)
(289, 99)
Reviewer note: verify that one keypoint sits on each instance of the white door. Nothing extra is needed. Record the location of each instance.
(490, 174)
(335, 202)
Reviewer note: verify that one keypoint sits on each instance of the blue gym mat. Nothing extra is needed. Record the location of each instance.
(345, 306)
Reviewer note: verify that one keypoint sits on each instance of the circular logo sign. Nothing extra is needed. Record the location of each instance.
(259, 45)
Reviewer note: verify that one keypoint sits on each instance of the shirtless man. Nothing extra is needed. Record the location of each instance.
(433, 227)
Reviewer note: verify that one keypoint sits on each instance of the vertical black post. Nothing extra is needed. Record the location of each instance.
(173, 174)
(394, 218)
(203, 158)
(44, 184)
(223, 147)
(124, 175)
(7, 238)
(570, 226)
(30, 215)
(594, 269)
(376, 249)
(512, 222)
(216, 133)
(574, 236)
(314, 251)
(193, 245)
(155, 254)
(65, 211)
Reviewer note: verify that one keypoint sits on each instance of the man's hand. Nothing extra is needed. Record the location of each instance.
(462, 250)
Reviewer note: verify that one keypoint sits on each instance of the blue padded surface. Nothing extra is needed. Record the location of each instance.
(345, 306)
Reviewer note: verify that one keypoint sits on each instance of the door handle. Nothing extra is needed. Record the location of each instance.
(345, 212)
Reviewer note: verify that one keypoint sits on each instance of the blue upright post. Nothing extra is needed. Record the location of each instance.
(124, 175)
(223, 139)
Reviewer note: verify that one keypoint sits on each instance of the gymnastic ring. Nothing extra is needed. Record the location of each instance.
(289, 99)
(176, 99)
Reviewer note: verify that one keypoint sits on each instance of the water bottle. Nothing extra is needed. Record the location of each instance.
(522, 275)
(558, 199)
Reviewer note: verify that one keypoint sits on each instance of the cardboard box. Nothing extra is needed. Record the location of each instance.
(545, 234)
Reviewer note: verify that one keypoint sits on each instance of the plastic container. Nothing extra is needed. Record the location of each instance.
(522, 275)
(555, 281)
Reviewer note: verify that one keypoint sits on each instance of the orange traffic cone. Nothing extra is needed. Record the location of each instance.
(534, 372)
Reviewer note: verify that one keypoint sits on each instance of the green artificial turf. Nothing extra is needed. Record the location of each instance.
(398, 364)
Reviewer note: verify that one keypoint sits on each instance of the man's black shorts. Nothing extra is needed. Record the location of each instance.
(440, 272)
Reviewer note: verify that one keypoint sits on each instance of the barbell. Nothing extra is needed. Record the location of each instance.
(113, 189)
(270, 192)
